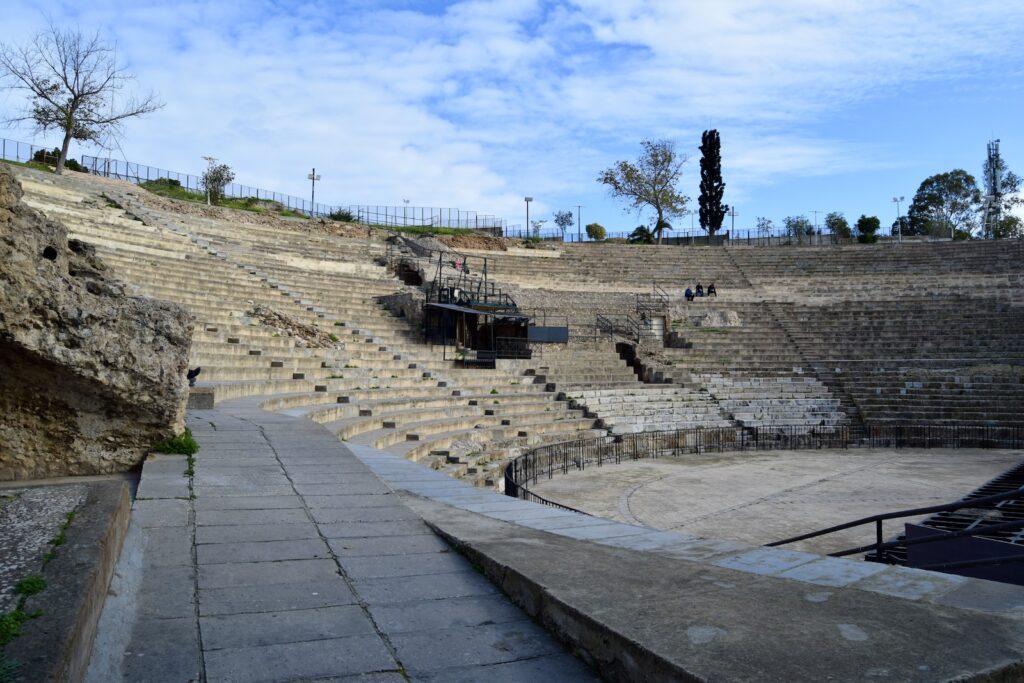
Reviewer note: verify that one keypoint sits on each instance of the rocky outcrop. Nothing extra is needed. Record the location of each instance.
(90, 376)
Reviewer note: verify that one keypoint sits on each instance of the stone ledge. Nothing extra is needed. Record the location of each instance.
(201, 398)
(639, 616)
(57, 645)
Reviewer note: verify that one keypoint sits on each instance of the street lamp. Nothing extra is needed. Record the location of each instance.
(527, 200)
(405, 210)
(313, 177)
(210, 161)
(899, 226)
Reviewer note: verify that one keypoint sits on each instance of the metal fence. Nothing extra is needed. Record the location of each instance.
(546, 461)
(12, 150)
(393, 216)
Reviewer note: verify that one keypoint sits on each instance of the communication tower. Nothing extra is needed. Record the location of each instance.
(993, 200)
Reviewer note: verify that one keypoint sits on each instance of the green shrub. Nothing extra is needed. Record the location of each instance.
(30, 585)
(50, 158)
(333, 337)
(182, 444)
(641, 235)
(10, 625)
(596, 231)
(867, 226)
(342, 215)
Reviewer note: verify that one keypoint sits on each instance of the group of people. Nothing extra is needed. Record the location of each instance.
(691, 295)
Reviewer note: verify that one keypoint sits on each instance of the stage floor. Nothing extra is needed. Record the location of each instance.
(760, 497)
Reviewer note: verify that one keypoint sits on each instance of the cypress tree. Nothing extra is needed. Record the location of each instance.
(712, 210)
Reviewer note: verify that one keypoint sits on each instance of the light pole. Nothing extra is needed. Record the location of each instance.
(527, 200)
(405, 211)
(816, 212)
(313, 177)
(210, 161)
(579, 233)
(899, 226)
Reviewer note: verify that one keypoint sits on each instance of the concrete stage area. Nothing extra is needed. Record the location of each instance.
(761, 497)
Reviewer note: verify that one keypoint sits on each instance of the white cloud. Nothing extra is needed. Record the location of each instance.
(479, 102)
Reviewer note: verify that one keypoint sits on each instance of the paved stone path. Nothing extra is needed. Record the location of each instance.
(294, 561)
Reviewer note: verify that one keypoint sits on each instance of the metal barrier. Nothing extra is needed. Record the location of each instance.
(12, 150)
(392, 216)
(563, 457)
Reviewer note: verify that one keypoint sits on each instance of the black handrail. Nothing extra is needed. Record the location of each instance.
(879, 545)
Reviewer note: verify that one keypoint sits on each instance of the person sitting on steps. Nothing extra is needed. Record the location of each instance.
(712, 291)
(700, 289)
(688, 294)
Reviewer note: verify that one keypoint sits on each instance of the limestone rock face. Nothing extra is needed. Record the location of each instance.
(90, 376)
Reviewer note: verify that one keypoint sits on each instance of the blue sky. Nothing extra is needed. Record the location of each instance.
(821, 104)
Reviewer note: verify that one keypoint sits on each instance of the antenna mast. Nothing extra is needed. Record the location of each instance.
(993, 191)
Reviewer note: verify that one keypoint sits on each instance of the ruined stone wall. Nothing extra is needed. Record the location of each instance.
(90, 377)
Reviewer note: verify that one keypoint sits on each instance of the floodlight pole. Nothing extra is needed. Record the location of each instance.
(528, 200)
(312, 177)
(579, 233)
(899, 226)
(816, 212)
(405, 211)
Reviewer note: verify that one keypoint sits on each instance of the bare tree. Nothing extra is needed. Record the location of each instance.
(650, 182)
(73, 83)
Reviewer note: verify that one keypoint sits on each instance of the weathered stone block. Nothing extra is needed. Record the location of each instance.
(90, 376)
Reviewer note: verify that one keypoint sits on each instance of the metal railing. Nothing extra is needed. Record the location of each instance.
(12, 150)
(546, 461)
(391, 216)
(879, 546)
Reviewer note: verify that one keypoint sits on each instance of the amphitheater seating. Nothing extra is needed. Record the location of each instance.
(769, 403)
(374, 382)
(826, 336)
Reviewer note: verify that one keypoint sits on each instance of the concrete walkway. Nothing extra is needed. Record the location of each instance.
(294, 561)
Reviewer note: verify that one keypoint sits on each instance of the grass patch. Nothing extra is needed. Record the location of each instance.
(30, 164)
(182, 444)
(494, 391)
(30, 585)
(426, 230)
(339, 323)
(333, 337)
(61, 537)
(172, 189)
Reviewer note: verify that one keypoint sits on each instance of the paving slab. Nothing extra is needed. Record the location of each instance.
(291, 626)
(295, 561)
(435, 615)
(294, 661)
(261, 551)
(479, 645)
(299, 595)
(255, 532)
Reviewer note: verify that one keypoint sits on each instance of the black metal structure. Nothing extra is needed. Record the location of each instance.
(466, 310)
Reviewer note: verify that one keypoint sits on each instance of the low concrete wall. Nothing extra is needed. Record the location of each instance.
(57, 645)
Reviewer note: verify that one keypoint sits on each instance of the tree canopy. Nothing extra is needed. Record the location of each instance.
(73, 84)
(837, 224)
(563, 219)
(945, 203)
(867, 226)
(798, 225)
(650, 182)
(712, 188)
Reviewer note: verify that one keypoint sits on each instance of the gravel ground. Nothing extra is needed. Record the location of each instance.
(29, 518)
